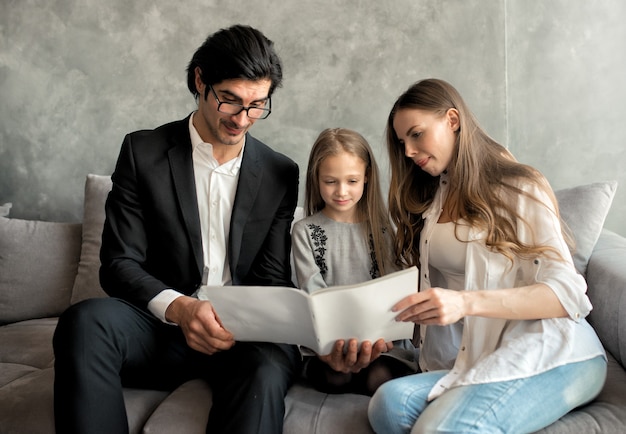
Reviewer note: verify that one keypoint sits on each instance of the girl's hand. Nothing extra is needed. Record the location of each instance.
(434, 306)
(353, 360)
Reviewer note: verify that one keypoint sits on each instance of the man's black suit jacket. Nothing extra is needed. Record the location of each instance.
(151, 238)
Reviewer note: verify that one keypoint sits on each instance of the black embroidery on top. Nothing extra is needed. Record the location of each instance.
(319, 238)
(318, 235)
(374, 271)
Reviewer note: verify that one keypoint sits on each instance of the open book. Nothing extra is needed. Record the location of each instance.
(293, 316)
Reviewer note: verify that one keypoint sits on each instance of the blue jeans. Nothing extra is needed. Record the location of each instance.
(516, 406)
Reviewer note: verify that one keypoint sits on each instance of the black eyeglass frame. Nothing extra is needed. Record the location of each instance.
(266, 110)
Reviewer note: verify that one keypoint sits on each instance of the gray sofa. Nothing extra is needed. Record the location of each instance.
(46, 266)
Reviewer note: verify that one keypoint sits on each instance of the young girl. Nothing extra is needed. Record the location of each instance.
(346, 238)
(486, 234)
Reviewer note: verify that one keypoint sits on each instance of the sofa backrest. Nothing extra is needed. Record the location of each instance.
(47, 266)
(87, 284)
(606, 278)
(38, 264)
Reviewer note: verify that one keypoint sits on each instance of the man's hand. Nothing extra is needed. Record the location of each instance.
(200, 325)
(354, 360)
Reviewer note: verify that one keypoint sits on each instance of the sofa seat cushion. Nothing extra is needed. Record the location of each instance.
(27, 403)
(315, 412)
(10, 372)
(307, 411)
(190, 402)
(28, 343)
(140, 404)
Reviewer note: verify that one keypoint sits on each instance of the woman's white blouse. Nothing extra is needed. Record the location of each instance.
(493, 350)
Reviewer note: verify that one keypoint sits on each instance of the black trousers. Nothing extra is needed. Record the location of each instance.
(102, 345)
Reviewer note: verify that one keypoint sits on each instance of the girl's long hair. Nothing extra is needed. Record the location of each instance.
(483, 174)
(371, 211)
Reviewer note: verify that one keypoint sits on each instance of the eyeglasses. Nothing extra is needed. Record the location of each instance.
(230, 108)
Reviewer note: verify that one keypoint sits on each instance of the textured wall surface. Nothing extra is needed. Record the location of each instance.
(566, 64)
(76, 75)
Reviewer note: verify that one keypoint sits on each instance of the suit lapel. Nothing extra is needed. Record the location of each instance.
(181, 165)
(250, 176)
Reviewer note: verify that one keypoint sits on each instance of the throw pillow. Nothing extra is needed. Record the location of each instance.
(584, 209)
(4, 209)
(87, 284)
(38, 262)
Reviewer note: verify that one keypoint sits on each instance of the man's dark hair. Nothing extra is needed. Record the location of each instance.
(236, 52)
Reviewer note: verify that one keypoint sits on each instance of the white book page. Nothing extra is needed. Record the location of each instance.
(363, 311)
(264, 313)
(284, 315)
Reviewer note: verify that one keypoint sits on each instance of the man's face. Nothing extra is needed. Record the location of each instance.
(223, 129)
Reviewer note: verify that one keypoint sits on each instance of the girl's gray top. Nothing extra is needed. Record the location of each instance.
(330, 253)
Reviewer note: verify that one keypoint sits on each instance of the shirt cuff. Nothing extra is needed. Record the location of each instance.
(159, 304)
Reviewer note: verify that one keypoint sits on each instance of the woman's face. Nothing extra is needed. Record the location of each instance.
(429, 139)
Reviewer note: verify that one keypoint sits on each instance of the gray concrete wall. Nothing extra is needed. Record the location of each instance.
(76, 75)
(566, 66)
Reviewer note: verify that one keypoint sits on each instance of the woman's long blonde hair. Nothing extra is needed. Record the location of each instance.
(371, 209)
(482, 173)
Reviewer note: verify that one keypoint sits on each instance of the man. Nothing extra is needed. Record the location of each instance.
(197, 201)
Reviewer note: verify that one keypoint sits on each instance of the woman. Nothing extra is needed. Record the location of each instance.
(486, 234)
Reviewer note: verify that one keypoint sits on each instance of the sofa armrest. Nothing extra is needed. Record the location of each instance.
(606, 280)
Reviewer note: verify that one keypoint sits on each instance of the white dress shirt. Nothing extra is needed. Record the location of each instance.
(216, 186)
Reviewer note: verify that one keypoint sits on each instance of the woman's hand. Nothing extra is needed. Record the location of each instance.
(434, 306)
(438, 306)
(353, 360)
